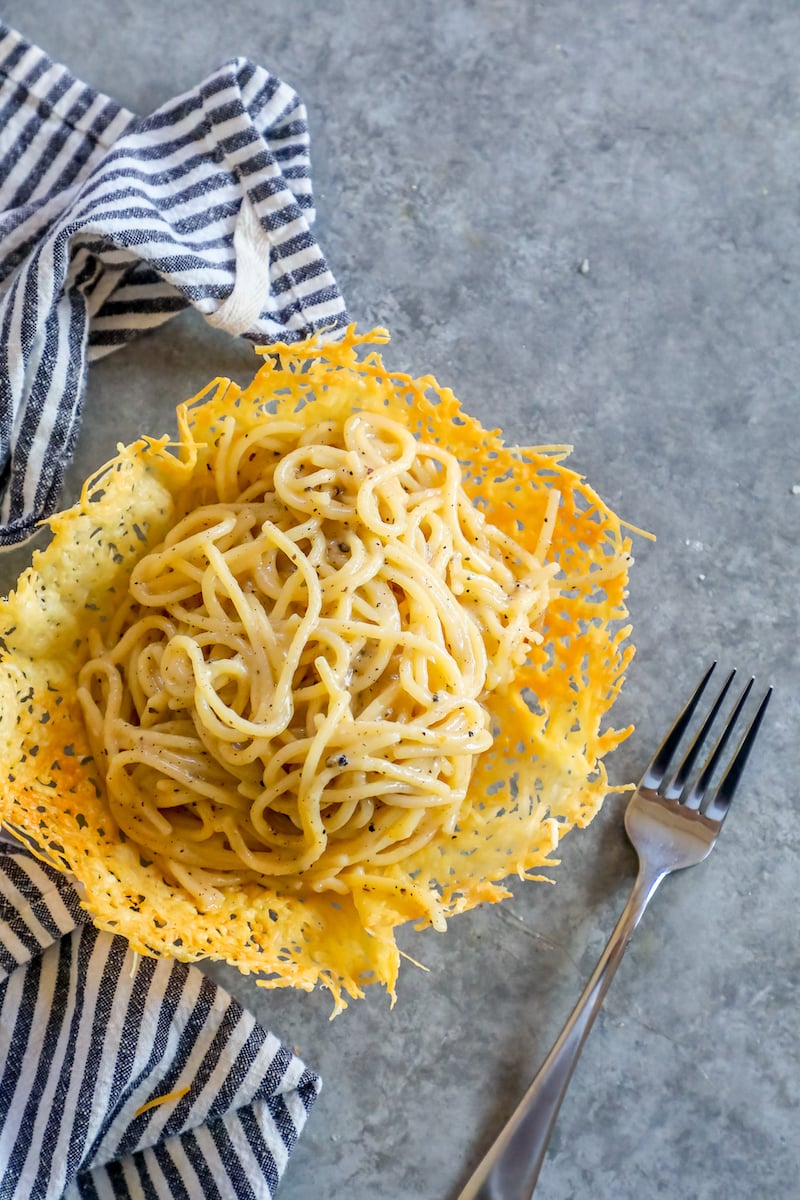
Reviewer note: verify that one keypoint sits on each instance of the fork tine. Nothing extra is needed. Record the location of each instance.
(696, 793)
(677, 783)
(719, 803)
(657, 769)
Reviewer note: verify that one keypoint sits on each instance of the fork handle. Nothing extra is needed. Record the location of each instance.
(511, 1167)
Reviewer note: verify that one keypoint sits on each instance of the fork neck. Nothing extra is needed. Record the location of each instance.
(647, 880)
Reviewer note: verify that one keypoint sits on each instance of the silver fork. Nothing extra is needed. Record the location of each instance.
(672, 823)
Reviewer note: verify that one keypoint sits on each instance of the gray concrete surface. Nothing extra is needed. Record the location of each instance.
(467, 158)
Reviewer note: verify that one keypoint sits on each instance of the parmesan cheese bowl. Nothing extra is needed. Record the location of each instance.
(333, 659)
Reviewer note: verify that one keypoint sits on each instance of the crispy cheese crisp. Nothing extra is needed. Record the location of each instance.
(302, 893)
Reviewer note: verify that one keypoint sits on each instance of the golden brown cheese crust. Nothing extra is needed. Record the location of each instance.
(53, 797)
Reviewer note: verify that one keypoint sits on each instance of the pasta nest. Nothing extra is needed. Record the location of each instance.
(335, 659)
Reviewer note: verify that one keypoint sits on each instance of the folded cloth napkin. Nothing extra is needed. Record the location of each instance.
(111, 223)
(123, 1076)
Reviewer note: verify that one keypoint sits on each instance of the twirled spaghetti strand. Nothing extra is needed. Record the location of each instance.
(293, 691)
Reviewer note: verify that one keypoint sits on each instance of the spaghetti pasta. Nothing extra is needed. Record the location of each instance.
(293, 688)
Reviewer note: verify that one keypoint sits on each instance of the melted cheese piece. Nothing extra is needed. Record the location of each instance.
(541, 698)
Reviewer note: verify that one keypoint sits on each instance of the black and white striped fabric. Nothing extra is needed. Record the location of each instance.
(91, 1035)
(122, 1076)
(111, 223)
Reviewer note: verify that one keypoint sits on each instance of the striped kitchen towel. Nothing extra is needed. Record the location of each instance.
(125, 1077)
(111, 223)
